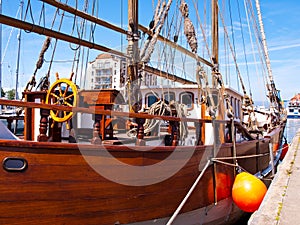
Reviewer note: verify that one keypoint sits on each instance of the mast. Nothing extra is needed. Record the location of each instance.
(264, 42)
(0, 57)
(133, 53)
(217, 109)
(215, 33)
(19, 48)
(273, 92)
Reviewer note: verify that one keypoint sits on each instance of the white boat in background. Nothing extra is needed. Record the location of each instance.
(294, 107)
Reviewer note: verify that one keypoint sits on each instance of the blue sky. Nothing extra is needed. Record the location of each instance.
(281, 22)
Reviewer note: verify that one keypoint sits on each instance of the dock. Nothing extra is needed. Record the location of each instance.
(281, 203)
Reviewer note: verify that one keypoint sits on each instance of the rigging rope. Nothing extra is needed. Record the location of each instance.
(248, 8)
(161, 13)
(91, 38)
(189, 29)
(161, 108)
(233, 53)
(244, 48)
(28, 8)
(10, 35)
(233, 43)
(204, 36)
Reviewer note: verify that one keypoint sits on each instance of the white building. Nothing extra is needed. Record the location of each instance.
(110, 71)
(106, 71)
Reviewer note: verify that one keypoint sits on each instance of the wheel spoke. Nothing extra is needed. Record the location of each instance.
(69, 96)
(60, 91)
(54, 95)
(66, 91)
(68, 104)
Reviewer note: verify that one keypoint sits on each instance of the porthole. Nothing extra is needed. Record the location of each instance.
(14, 164)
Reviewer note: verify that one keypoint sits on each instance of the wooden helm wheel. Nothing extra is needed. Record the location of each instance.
(62, 92)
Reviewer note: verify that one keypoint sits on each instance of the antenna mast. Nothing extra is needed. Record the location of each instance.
(0, 56)
(19, 48)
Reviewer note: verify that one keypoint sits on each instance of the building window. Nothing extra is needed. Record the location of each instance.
(98, 72)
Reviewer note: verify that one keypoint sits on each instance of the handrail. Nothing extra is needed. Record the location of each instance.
(95, 110)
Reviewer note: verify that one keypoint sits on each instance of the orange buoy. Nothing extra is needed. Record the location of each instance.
(285, 148)
(248, 192)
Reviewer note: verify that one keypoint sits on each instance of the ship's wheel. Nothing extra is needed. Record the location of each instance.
(62, 92)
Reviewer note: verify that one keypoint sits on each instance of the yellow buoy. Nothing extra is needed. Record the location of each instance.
(248, 192)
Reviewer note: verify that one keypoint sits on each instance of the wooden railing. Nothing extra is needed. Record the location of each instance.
(140, 117)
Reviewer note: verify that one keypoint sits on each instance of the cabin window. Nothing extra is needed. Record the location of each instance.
(238, 112)
(232, 102)
(187, 98)
(169, 96)
(291, 110)
(14, 164)
(236, 108)
(150, 99)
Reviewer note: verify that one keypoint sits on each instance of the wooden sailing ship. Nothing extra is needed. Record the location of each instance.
(145, 179)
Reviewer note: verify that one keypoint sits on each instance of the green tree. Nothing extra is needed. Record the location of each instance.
(11, 94)
(2, 93)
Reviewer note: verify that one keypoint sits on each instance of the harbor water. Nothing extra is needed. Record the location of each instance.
(293, 125)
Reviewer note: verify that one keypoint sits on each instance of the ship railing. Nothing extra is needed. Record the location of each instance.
(139, 118)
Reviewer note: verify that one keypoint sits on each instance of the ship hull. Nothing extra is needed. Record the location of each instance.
(62, 182)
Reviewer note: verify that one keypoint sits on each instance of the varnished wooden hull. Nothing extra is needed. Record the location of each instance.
(60, 186)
